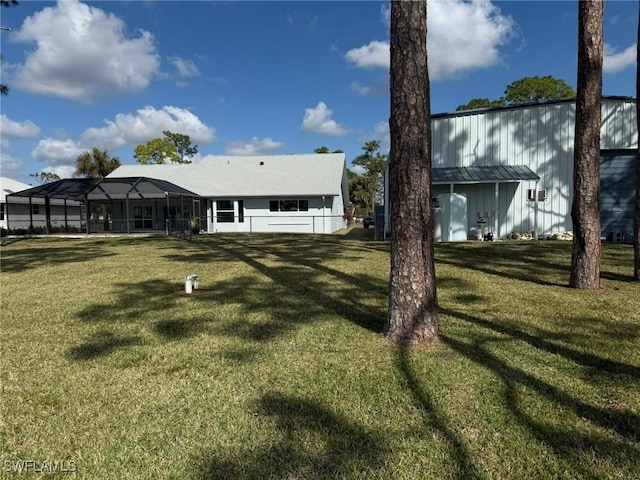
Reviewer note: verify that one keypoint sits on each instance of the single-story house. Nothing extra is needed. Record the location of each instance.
(272, 193)
(510, 169)
(24, 213)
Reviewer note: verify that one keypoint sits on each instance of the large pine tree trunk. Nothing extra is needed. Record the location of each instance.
(585, 212)
(636, 235)
(413, 315)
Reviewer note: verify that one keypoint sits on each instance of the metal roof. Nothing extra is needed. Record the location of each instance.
(492, 174)
(105, 189)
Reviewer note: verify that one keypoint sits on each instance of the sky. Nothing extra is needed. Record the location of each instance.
(263, 77)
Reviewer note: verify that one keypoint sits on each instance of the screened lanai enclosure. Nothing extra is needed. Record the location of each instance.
(106, 205)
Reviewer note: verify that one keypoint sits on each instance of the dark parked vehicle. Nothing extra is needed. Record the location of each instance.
(368, 221)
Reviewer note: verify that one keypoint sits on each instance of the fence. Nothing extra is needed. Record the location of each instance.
(185, 227)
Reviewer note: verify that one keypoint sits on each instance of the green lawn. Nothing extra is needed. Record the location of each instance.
(276, 368)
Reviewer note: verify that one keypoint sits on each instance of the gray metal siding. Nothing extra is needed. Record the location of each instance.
(539, 136)
(617, 193)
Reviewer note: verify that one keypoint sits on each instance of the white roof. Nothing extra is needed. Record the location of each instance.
(259, 176)
(9, 185)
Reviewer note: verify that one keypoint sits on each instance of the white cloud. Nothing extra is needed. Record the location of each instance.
(186, 68)
(148, 123)
(255, 146)
(358, 169)
(381, 132)
(55, 152)
(9, 164)
(462, 36)
(82, 51)
(13, 129)
(318, 120)
(615, 61)
(373, 54)
(367, 90)
(63, 171)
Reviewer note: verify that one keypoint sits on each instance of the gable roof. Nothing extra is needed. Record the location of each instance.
(9, 186)
(256, 176)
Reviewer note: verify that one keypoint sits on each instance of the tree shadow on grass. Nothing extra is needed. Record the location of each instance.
(573, 443)
(285, 287)
(310, 441)
(31, 254)
(293, 268)
(541, 341)
(519, 261)
(434, 420)
(104, 343)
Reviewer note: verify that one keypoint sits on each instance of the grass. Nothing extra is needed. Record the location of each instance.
(276, 368)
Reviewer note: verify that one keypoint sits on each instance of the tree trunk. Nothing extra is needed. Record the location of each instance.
(636, 233)
(585, 212)
(413, 314)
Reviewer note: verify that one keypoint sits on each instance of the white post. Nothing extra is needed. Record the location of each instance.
(496, 220)
(535, 213)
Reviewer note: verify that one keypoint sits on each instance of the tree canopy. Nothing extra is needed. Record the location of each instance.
(4, 89)
(95, 164)
(45, 177)
(173, 148)
(183, 145)
(368, 186)
(325, 149)
(526, 90)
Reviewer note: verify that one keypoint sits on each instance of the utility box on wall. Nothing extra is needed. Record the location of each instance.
(453, 217)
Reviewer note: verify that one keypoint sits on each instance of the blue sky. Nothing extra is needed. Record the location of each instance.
(266, 77)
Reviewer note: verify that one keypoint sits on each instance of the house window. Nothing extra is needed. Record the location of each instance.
(143, 217)
(35, 209)
(224, 211)
(1, 211)
(289, 205)
(531, 195)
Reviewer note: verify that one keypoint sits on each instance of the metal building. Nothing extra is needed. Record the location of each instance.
(515, 166)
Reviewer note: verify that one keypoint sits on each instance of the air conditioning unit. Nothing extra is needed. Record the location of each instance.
(531, 195)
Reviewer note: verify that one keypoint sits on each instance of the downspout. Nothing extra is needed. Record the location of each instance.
(324, 207)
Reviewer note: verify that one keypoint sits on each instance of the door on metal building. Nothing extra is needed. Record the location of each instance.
(617, 194)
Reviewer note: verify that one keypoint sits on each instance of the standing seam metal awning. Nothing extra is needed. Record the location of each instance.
(492, 174)
(496, 175)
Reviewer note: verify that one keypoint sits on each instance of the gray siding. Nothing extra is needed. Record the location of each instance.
(617, 182)
(539, 136)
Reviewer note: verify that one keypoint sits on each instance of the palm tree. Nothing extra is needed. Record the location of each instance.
(95, 164)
